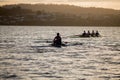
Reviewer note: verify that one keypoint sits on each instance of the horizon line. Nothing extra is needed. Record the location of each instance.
(58, 4)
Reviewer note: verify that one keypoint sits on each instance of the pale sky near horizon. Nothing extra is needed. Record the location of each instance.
(114, 4)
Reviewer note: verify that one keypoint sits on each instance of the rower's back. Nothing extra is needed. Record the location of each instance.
(57, 40)
(97, 34)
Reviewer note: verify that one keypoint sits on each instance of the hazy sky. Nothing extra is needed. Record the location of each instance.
(114, 4)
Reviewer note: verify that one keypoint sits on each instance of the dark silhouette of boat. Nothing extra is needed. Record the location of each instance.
(87, 35)
(62, 45)
(79, 36)
(82, 36)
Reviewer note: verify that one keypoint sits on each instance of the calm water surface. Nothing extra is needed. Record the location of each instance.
(26, 54)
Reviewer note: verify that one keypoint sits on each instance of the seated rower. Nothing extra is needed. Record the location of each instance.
(57, 40)
(88, 34)
(84, 34)
(97, 34)
(93, 33)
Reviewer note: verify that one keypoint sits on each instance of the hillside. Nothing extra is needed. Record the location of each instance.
(41, 14)
(68, 9)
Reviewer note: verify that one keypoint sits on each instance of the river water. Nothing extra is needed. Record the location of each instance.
(26, 54)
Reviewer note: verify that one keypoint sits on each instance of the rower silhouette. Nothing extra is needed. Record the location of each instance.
(97, 34)
(57, 40)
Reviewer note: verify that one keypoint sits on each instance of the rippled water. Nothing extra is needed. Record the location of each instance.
(26, 54)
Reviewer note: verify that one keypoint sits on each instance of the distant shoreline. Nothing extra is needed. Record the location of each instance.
(57, 26)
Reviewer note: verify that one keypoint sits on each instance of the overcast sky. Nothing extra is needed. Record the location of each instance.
(114, 4)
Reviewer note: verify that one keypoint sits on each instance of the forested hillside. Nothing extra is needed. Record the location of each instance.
(57, 15)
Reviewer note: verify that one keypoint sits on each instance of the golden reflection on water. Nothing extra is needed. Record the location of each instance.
(23, 58)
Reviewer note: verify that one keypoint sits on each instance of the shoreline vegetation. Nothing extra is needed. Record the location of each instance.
(57, 15)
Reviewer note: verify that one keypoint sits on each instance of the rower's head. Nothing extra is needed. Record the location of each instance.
(58, 34)
(97, 32)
